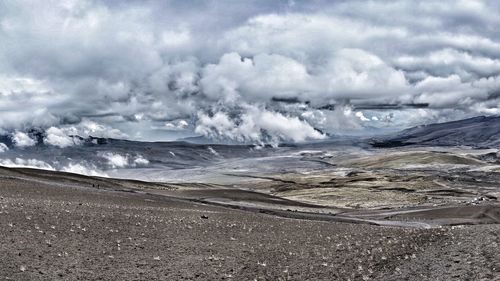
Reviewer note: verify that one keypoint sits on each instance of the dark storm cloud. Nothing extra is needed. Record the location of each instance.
(230, 69)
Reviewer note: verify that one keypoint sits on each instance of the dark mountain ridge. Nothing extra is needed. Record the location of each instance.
(476, 132)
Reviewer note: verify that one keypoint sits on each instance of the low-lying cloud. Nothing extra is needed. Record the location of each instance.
(77, 168)
(116, 160)
(256, 125)
(21, 139)
(26, 163)
(58, 137)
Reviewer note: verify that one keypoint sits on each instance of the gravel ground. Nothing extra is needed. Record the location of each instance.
(63, 231)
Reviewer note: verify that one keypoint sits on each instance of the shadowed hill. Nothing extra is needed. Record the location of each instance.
(479, 132)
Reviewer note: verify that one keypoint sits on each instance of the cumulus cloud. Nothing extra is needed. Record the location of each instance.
(57, 137)
(21, 139)
(154, 69)
(234, 77)
(88, 128)
(116, 160)
(346, 74)
(255, 125)
(141, 161)
(175, 126)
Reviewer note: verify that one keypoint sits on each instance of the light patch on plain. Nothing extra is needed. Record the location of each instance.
(213, 151)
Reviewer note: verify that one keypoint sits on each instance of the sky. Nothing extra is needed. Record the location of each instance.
(245, 71)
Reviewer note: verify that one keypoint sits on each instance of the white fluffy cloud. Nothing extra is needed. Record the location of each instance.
(85, 128)
(259, 78)
(179, 125)
(58, 137)
(116, 160)
(346, 74)
(141, 161)
(255, 125)
(78, 168)
(21, 139)
(26, 163)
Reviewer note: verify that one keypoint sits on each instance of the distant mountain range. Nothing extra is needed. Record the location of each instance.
(93, 155)
(477, 132)
(105, 154)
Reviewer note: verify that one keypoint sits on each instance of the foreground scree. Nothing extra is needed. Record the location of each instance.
(57, 226)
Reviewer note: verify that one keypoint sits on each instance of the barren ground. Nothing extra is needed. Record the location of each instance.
(58, 227)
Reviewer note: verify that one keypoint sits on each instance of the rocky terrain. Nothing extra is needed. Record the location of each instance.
(57, 226)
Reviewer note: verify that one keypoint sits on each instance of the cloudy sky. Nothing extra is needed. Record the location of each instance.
(254, 71)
